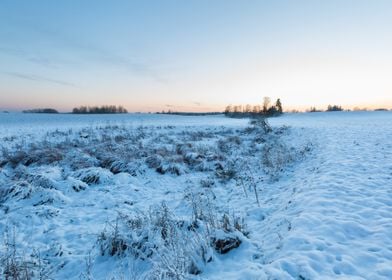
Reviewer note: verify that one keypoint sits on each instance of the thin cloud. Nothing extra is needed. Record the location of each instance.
(101, 55)
(39, 78)
(88, 53)
(11, 51)
(43, 61)
(134, 66)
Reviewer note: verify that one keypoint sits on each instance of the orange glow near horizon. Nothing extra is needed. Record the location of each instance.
(199, 108)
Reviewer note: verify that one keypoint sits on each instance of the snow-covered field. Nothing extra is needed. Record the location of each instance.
(170, 197)
(33, 124)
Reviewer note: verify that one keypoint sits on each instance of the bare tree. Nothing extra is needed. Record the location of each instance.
(266, 104)
(228, 110)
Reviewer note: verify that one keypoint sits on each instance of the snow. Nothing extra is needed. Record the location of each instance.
(341, 210)
(32, 124)
(323, 182)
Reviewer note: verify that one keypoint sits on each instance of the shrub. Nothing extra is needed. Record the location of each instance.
(16, 266)
(275, 157)
(40, 156)
(171, 247)
(93, 175)
(154, 161)
(262, 123)
(225, 171)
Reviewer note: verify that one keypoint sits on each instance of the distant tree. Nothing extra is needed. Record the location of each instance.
(122, 110)
(381, 109)
(42, 111)
(266, 110)
(256, 109)
(248, 108)
(266, 104)
(106, 109)
(272, 111)
(313, 110)
(228, 110)
(194, 113)
(278, 106)
(332, 108)
(237, 109)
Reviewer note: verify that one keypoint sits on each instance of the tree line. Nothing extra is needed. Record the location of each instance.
(330, 108)
(266, 109)
(105, 109)
(170, 112)
(41, 111)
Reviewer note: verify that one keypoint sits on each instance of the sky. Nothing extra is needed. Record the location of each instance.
(195, 55)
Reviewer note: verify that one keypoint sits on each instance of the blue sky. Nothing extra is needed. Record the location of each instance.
(194, 55)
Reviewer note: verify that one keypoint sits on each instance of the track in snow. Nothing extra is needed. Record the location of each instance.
(341, 210)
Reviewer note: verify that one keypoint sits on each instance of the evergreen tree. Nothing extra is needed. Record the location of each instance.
(279, 106)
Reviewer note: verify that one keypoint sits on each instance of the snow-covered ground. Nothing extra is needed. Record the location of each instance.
(152, 196)
(341, 210)
(33, 124)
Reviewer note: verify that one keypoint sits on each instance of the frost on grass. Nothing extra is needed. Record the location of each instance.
(172, 247)
(16, 263)
(82, 180)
